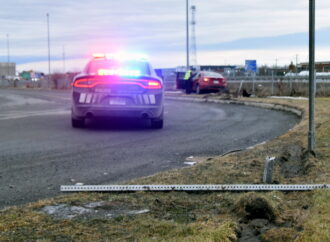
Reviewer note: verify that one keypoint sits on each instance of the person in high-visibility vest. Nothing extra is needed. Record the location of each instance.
(187, 75)
(189, 80)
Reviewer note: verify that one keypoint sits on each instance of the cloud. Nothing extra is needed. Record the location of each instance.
(155, 27)
(274, 42)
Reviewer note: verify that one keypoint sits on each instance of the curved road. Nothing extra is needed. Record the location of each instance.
(39, 151)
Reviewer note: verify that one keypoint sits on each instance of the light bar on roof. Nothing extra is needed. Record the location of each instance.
(98, 55)
(118, 72)
(122, 56)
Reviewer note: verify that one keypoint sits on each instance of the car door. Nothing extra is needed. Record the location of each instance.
(196, 80)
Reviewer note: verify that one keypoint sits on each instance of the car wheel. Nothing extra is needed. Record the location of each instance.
(77, 123)
(198, 90)
(157, 124)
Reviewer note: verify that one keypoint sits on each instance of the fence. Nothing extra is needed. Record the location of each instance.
(262, 87)
(54, 83)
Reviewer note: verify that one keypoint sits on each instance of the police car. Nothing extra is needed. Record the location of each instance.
(118, 85)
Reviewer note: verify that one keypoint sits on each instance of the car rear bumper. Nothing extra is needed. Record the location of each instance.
(213, 88)
(83, 111)
(117, 102)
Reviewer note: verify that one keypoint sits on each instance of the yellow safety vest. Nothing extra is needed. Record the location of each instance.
(187, 75)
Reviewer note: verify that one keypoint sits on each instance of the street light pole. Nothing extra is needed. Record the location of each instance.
(187, 34)
(63, 56)
(48, 40)
(296, 64)
(312, 84)
(8, 56)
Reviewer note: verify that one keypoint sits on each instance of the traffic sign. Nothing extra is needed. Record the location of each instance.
(251, 65)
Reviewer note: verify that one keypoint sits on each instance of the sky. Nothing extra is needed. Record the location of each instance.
(227, 32)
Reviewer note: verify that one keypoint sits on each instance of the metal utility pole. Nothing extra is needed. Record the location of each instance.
(8, 56)
(276, 65)
(48, 39)
(193, 35)
(187, 34)
(296, 64)
(272, 83)
(63, 56)
(312, 84)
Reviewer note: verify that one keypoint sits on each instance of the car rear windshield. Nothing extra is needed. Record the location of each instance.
(141, 67)
(212, 74)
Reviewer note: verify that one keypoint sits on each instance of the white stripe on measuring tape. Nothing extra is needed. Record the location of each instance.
(233, 187)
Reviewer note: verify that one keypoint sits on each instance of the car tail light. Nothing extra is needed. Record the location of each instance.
(82, 82)
(205, 79)
(92, 82)
(154, 85)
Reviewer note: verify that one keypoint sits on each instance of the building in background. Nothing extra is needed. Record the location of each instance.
(7, 69)
(224, 69)
(323, 66)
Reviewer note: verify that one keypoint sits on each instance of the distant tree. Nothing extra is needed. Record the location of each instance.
(263, 70)
(292, 67)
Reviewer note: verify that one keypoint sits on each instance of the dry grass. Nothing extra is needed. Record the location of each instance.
(317, 226)
(173, 216)
(180, 216)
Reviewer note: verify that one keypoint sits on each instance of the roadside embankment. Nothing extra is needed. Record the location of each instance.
(201, 216)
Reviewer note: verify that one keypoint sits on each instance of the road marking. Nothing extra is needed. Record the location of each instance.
(25, 114)
(19, 100)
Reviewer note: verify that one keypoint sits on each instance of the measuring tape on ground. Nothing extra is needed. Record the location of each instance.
(159, 188)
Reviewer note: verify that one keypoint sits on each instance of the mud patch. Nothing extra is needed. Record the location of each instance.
(94, 210)
(294, 161)
(253, 230)
(257, 216)
(251, 206)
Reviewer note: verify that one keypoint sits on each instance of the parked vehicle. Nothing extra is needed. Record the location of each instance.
(209, 81)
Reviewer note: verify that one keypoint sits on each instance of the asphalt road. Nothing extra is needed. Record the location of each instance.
(39, 151)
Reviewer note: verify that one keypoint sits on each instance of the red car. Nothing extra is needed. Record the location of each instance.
(209, 81)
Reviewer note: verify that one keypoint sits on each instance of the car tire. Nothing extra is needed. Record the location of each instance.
(198, 89)
(157, 124)
(77, 123)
